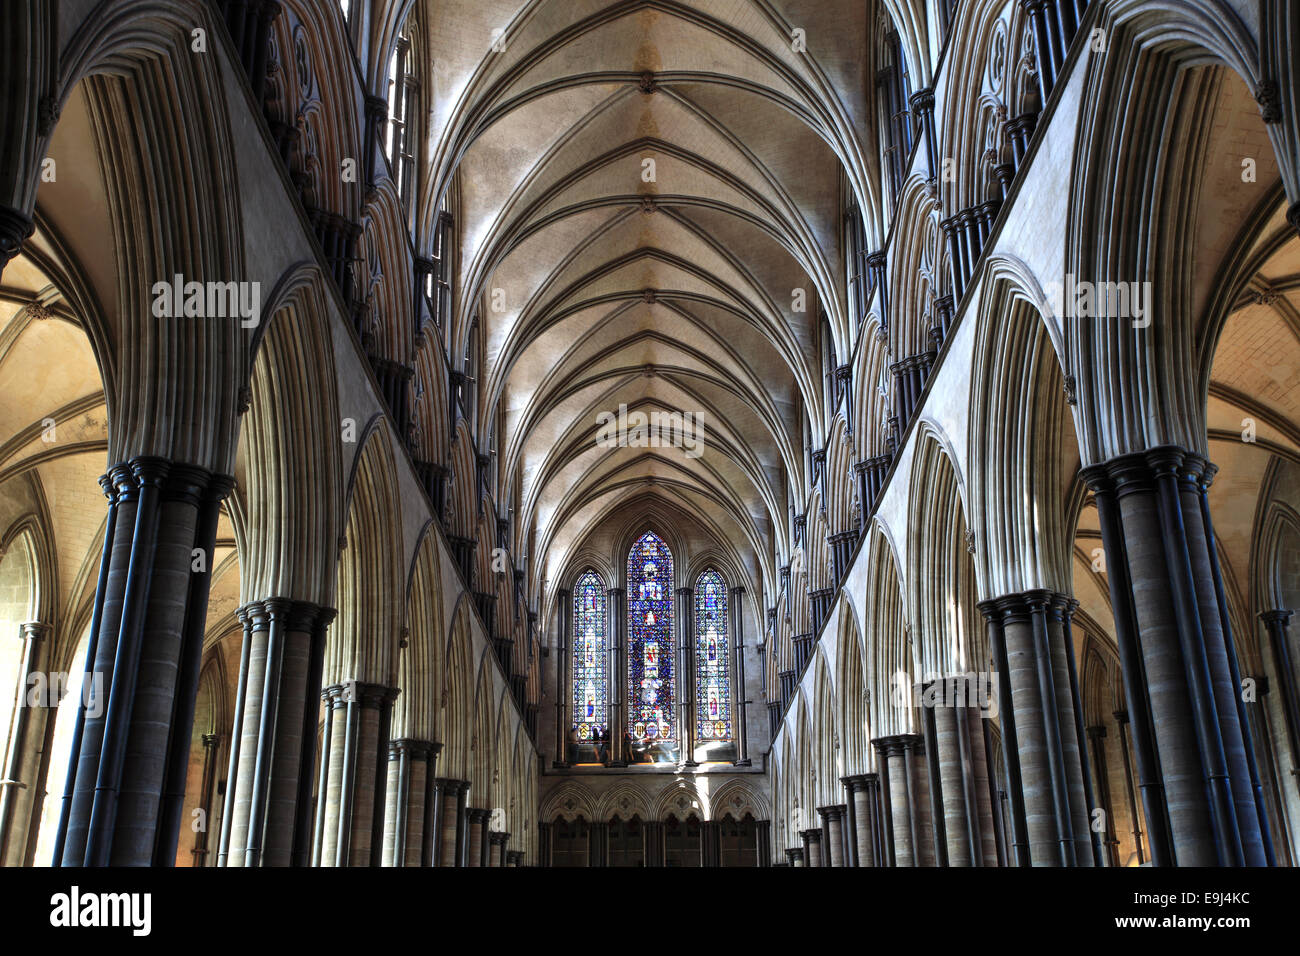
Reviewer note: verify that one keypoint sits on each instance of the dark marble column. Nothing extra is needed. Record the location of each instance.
(654, 843)
(121, 806)
(1121, 719)
(407, 791)
(448, 812)
(356, 778)
(618, 677)
(739, 697)
(1180, 662)
(1031, 646)
(813, 854)
(686, 674)
(207, 785)
(711, 843)
(25, 740)
(1097, 736)
(922, 103)
(763, 834)
(833, 830)
(497, 848)
(864, 812)
(1275, 622)
(564, 640)
(795, 856)
(276, 735)
(479, 839)
(545, 845)
(903, 770)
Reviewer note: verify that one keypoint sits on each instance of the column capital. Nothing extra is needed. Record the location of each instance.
(15, 229)
(1275, 616)
(34, 630)
(858, 781)
(922, 99)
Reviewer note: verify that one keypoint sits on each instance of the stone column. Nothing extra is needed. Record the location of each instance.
(711, 843)
(919, 784)
(1121, 719)
(686, 674)
(1179, 659)
(739, 701)
(863, 823)
(1097, 735)
(276, 736)
(211, 745)
(564, 640)
(1031, 647)
(407, 791)
(449, 819)
(812, 846)
(545, 845)
(894, 775)
(479, 842)
(654, 843)
(763, 834)
(795, 856)
(833, 828)
(26, 736)
(355, 779)
(922, 103)
(617, 610)
(462, 824)
(1275, 622)
(148, 614)
(497, 853)
(232, 770)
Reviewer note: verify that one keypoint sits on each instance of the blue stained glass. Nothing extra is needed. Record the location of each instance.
(590, 687)
(712, 673)
(651, 686)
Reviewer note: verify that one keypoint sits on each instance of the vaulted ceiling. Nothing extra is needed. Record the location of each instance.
(641, 188)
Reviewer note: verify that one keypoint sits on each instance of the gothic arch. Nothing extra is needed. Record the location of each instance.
(943, 628)
(457, 703)
(289, 470)
(1022, 446)
(363, 643)
(421, 667)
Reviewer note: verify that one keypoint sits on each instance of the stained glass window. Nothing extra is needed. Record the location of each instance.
(712, 675)
(590, 687)
(650, 677)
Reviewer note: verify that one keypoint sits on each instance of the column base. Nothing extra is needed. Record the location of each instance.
(743, 763)
(559, 765)
(688, 763)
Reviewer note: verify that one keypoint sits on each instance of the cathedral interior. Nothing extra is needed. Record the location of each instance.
(659, 433)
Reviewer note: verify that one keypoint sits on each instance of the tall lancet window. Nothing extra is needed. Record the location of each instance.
(590, 687)
(651, 690)
(712, 675)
